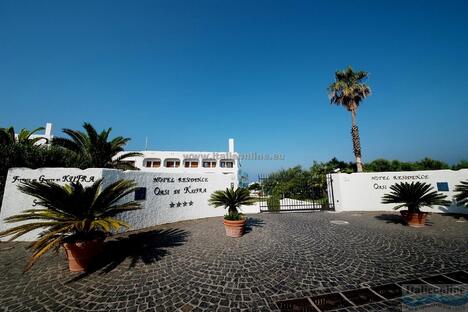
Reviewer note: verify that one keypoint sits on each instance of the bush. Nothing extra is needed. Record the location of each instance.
(462, 164)
(273, 203)
(255, 187)
(234, 217)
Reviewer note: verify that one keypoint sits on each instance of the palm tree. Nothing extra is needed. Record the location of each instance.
(414, 195)
(348, 90)
(96, 147)
(462, 196)
(8, 136)
(71, 213)
(231, 199)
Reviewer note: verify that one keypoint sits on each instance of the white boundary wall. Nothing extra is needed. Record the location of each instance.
(364, 191)
(170, 197)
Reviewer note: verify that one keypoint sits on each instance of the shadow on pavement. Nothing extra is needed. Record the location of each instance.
(147, 247)
(396, 219)
(390, 218)
(458, 216)
(251, 223)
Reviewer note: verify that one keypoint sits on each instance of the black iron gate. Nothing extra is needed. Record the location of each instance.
(277, 196)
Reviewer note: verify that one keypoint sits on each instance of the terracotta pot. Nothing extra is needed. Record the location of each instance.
(414, 219)
(80, 254)
(234, 228)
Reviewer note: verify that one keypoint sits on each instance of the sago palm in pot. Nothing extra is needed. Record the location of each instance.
(73, 216)
(232, 199)
(413, 196)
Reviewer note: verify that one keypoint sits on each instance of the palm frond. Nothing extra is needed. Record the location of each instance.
(349, 88)
(462, 193)
(231, 199)
(95, 147)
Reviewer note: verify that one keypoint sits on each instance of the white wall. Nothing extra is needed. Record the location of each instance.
(187, 194)
(364, 191)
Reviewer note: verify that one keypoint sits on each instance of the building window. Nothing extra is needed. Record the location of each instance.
(209, 163)
(172, 163)
(153, 163)
(226, 163)
(191, 163)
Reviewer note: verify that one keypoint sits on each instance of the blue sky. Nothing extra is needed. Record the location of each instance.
(190, 74)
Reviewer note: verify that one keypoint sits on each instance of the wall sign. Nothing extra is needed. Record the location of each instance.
(140, 193)
(442, 186)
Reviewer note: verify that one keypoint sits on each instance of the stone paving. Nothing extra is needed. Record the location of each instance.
(193, 266)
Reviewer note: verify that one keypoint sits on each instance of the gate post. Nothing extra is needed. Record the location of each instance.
(331, 197)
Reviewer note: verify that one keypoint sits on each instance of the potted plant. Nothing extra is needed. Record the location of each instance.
(414, 195)
(462, 193)
(234, 222)
(73, 216)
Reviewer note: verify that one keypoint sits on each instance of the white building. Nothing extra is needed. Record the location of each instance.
(47, 135)
(191, 162)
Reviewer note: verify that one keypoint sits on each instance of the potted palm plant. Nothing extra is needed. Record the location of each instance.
(73, 216)
(234, 222)
(413, 196)
(462, 193)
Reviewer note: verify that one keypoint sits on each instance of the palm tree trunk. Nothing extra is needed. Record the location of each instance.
(356, 141)
(232, 211)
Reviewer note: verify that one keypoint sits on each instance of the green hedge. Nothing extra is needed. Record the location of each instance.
(273, 203)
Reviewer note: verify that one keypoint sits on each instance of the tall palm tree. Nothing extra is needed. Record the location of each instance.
(348, 90)
(71, 213)
(97, 148)
(8, 136)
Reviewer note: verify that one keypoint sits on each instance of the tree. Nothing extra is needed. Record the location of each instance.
(96, 147)
(430, 164)
(255, 187)
(381, 164)
(348, 90)
(8, 136)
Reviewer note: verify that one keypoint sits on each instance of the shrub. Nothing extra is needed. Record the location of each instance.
(273, 203)
(234, 217)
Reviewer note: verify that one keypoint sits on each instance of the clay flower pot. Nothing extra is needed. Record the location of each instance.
(414, 219)
(234, 228)
(80, 254)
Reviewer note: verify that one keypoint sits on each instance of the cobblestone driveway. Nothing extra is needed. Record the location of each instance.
(193, 266)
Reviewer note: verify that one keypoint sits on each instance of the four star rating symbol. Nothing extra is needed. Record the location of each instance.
(178, 204)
